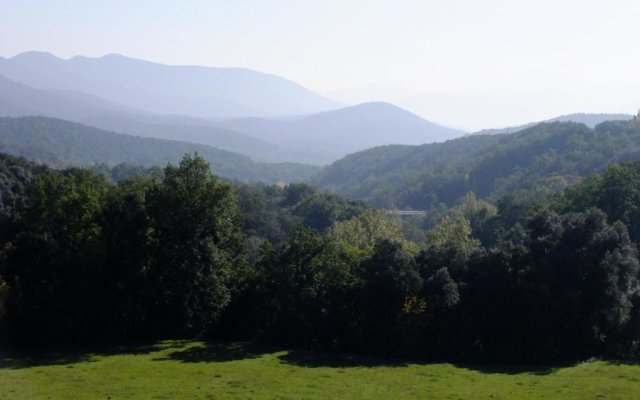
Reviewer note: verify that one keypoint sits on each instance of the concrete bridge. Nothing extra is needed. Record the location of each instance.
(406, 212)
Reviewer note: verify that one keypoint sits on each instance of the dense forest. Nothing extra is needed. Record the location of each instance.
(544, 158)
(178, 252)
(62, 143)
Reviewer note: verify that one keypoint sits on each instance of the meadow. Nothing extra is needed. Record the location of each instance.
(197, 370)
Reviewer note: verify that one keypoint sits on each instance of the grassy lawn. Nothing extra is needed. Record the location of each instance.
(192, 370)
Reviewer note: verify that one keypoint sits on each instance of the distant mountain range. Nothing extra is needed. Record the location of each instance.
(328, 136)
(77, 90)
(164, 89)
(62, 143)
(262, 116)
(17, 100)
(590, 120)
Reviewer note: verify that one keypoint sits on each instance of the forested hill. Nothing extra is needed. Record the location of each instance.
(589, 119)
(546, 156)
(18, 100)
(62, 143)
(379, 172)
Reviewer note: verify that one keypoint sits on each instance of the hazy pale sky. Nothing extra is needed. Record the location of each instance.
(466, 63)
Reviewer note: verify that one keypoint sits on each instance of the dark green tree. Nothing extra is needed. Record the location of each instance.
(579, 284)
(307, 284)
(55, 264)
(389, 280)
(616, 192)
(197, 245)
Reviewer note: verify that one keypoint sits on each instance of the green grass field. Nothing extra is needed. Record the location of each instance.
(193, 370)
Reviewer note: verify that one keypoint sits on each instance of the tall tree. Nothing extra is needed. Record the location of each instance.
(55, 264)
(198, 244)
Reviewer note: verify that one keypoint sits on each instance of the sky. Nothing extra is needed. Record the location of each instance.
(465, 63)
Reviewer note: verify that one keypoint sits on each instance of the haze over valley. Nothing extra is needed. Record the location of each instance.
(264, 117)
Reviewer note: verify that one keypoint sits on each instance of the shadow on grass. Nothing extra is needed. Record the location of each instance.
(187, 351)
(507, 369)
(218, 352)
(316, 360)
(631, 362)
(27, 358)
(515, 369)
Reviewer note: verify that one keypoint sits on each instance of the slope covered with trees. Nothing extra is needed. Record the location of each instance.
(62, 143)
(18, 100)
(589, 119)
(548, 156)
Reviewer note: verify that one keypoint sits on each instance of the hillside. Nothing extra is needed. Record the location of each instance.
(328, 136)
(61, 143)
(17, 100)
(164, 89)
(187, 129)
(547, 156)
(590, 120)
(377, 173)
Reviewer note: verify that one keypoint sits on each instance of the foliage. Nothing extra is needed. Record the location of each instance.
(453, 230)
(55, 263)
(197, 243)
(305, 285)
(388, 278)
(15, 176)
(547, 157)
(271, 212)
(62, 143)
(367, 229)
(531, 279)
(616, 192)
(579, 279)
(90, 259)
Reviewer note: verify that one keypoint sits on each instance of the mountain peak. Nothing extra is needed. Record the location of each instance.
(35, 56)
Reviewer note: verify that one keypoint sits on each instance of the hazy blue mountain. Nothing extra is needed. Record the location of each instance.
(187, 130)
(18, 100)
(590, 120)
(188, 90)
(328, 136)
(62, 143)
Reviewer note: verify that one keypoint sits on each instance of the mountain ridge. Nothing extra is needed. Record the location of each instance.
(546, 157)
(63, 143)
(198, 91)
(17, 99)
(589, 119)
(327, 136)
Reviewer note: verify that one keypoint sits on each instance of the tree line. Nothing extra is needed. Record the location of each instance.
(546, 157)
(182, 253)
